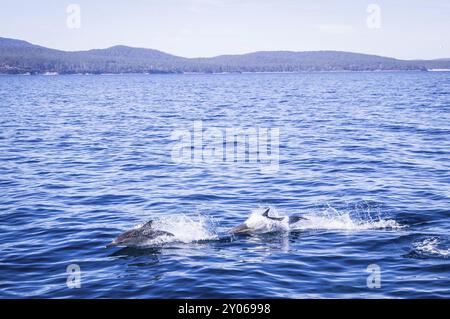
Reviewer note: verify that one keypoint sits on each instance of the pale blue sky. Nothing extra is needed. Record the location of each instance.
(191, 28)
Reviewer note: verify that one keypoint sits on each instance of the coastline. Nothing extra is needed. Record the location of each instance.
(224, 73)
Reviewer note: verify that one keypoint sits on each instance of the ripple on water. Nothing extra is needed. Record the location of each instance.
(364, 156)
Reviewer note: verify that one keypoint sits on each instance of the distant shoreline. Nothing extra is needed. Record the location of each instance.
(21, 57)
(221, 73)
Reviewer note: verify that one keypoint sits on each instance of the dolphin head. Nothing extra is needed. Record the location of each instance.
(259, 223)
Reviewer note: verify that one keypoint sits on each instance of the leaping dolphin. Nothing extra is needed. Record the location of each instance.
(138, 236)
(263, 223)
(257, 223)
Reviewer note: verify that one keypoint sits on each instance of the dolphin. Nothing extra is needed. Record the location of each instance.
(263, 223)
(138, 236)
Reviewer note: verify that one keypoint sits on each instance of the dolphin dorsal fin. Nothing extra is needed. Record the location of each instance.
(148, 224)
(266, 214)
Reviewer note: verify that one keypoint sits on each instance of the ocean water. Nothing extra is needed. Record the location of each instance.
(364, 157)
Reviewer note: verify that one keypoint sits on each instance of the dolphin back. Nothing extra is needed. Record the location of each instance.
(295, 218)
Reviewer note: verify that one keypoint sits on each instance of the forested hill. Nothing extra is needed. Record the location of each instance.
(20, 57)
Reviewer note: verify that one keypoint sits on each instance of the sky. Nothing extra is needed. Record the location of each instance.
(403, 29)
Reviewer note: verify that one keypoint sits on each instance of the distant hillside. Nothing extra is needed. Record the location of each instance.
(286, 61)
(18, 57)
(22, 57)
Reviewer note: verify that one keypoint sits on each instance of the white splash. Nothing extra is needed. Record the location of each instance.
(185, 229)
(328, 219)
(343, 221)
(332, 219)
(430, 246)
(260, 224)
(188, 229)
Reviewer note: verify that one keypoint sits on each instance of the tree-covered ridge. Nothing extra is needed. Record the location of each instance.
(18, 57)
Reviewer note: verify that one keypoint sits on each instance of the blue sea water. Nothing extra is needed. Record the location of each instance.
(364, 156)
